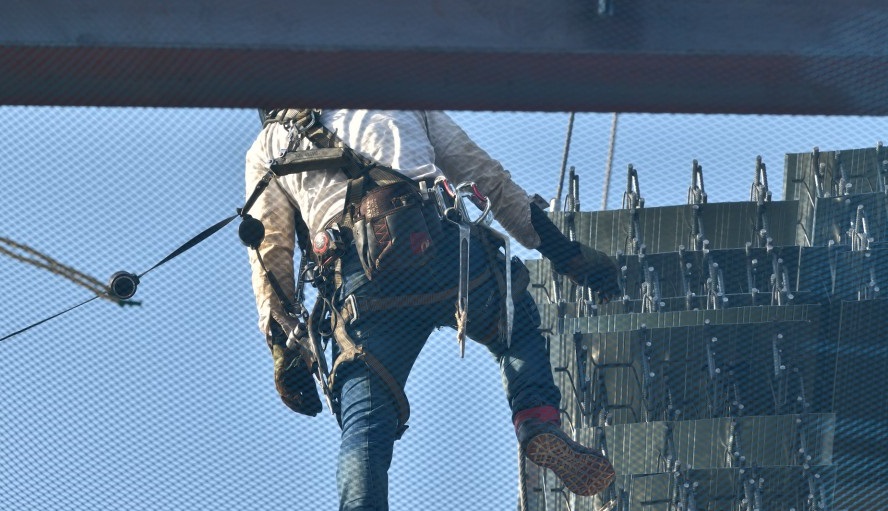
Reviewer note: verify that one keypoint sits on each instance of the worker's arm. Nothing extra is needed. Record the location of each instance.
(277, 215)
(462, 160)
(292, 376)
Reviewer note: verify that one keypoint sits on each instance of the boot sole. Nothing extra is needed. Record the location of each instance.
(583, 473)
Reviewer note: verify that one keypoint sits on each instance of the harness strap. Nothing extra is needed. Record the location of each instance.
(350, 351)
(356, 305)
(491, 249)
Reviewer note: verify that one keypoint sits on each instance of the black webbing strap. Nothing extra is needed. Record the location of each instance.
(257, 191)
(321, 136)
(356, 305)
(308, 124)
(192, 242)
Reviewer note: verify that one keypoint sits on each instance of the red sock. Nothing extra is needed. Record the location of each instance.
(544, 413)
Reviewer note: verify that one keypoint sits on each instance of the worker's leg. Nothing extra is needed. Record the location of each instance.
(524, 364)
(369, 419)
(534, 399)
(368, 410)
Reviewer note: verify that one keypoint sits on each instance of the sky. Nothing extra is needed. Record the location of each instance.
(171, 404)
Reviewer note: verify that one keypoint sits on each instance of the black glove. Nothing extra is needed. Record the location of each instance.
(593, 268)
(582, 264)
(294, 382)
(292, 375)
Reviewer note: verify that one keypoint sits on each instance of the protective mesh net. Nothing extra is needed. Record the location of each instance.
(169, 404)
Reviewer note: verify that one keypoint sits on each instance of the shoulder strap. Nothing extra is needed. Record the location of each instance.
(308, 123)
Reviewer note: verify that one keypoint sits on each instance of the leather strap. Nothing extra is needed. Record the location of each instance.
(350, 351)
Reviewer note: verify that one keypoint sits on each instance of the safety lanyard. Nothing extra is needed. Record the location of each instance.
(123, 285)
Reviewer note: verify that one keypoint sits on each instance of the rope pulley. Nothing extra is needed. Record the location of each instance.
(123, 285)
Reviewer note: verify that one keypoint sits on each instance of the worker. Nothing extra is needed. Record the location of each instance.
(376, 195)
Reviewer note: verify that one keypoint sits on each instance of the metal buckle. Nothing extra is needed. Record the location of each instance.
(351, 302)
(479, 200)
(296, 132)
(302, 129)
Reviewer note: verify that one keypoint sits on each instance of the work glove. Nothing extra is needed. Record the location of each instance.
(593, 268)
(292, 376)
(580, 263)
(294, 382)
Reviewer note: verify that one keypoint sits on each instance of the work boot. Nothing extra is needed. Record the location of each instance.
(583, 470)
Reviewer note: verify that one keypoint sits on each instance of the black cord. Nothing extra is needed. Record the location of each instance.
(47, 319)
(131, 281)
(187, 245)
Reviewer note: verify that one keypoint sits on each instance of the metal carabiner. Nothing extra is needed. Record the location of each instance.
(477, 198)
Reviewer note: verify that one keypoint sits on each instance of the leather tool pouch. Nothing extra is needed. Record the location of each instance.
(395, 231)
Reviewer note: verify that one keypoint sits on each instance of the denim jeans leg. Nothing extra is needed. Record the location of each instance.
(369, 420)
(524, 366)
(368, 410)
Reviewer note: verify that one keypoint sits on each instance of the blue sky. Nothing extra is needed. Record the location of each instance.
(171, 405)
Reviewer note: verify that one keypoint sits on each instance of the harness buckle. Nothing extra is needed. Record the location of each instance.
(302, 128)
(350, 309)
(328, 245)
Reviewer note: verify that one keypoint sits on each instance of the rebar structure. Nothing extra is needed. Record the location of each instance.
(707, 394)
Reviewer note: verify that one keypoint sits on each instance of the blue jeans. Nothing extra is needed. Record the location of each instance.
(368, 412)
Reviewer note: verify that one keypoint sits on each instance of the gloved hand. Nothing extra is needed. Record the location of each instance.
(292, 371)
(294, 382)
(583, 265)
(592, 268)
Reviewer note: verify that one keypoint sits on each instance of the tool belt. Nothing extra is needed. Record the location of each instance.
(395, 231)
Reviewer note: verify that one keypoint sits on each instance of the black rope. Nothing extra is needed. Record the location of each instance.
(187, 245)
(47, 319)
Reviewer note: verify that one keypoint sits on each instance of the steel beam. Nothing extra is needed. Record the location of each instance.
(755, 56)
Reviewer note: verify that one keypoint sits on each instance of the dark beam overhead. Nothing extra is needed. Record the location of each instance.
(751, 56)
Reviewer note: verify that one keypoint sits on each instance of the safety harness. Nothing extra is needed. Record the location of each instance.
(363, 175)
